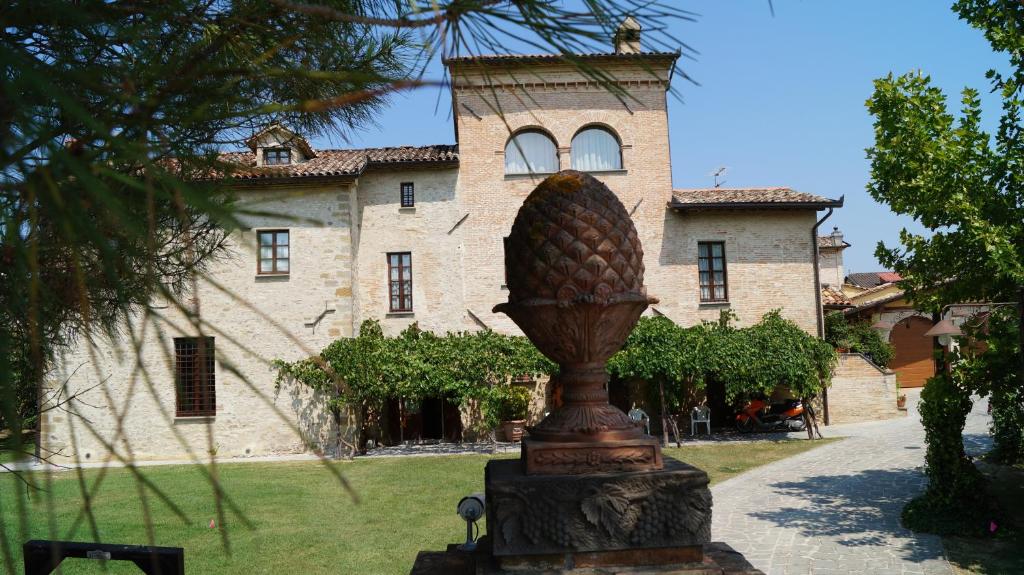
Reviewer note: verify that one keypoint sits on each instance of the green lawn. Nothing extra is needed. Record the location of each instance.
(9, 455)
(303, 521)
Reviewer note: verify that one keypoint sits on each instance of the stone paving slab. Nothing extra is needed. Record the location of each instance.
(835, 509)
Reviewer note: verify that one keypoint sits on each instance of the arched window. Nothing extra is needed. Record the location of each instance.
(595, 149)
(531, 151)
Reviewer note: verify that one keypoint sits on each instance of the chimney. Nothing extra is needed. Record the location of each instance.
(837, 237)
(627, 37)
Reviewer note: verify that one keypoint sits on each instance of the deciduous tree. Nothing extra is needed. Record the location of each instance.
(966, 186)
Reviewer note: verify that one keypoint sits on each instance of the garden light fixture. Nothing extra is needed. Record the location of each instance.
(470, 508)
(945, 330)
(882, 325)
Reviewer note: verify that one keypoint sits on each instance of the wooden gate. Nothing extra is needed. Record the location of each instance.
(914, 360)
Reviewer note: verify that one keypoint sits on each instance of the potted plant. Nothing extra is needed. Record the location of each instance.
(844, 346)
(901, 401)
(513, 404)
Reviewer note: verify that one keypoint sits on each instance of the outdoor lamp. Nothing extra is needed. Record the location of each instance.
(945, 330)
(471, 508)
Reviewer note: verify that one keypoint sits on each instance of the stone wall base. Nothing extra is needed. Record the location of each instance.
(717, 559)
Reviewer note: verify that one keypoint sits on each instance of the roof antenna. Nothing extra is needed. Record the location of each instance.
(720, 172)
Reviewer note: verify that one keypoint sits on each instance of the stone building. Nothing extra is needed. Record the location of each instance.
(414, 234)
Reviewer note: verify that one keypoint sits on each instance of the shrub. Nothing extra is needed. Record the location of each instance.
(510, 403)
(749, 361)
(360, 374)
(858, 337)
(955, 500)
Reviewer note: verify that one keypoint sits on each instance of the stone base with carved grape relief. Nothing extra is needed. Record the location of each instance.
(547, 514)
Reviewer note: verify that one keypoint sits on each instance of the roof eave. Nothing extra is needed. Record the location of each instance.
(706, 206)
(282, 180)
(515, 60)
(347, 176)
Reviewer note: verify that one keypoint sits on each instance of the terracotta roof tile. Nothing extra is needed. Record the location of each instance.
(737, 198)
(827, 242)
(872, 279)
(341, 162)
(500, 58)
(834, 297)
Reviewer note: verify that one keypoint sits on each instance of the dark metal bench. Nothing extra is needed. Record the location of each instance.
(42, 557)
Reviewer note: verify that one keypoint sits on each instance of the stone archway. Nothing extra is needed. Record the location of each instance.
(914, 361)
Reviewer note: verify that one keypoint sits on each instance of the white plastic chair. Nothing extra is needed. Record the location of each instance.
(700, 415)
(638, 416)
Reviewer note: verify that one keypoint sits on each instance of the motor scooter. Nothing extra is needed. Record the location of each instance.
(759, 415)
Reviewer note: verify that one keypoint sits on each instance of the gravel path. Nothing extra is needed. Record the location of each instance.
(835, 509)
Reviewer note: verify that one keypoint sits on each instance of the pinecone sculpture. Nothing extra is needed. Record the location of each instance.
(575, 275)
(573, 241)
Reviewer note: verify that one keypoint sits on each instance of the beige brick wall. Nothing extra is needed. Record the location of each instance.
(428, 231)
(830, 264)
(256, 320)
(861, 391)
(768, 262)
(341, 233)
(769, 253)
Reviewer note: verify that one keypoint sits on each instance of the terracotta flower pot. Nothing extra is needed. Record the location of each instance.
(513, 430)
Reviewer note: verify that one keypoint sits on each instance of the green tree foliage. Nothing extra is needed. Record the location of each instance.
(512, 403)
(107, 105)
(963, 184)
(662, 353)
(954, 502)
(112, 114)
(967, 187)
(993, 372)
(858, 337)
(360, 374)
(750, 361)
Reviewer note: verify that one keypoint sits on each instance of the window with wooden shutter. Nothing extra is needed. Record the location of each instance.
(275, 252)
(711, 267)
(194, 376)
(400, 281)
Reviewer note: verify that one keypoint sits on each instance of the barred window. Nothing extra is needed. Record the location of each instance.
(408, 195)
(274, 252)
(277, 156)
(194, 377)
(400, 281)
(711, 266)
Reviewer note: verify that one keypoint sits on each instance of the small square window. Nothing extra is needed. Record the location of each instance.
(408, 195)
(274, 252)
(277, 156)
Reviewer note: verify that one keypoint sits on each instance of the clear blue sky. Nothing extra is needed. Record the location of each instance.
(780, 100)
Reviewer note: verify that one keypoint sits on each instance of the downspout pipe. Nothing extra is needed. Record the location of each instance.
(815, 254)
(819, 314)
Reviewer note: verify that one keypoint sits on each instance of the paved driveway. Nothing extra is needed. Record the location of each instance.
(836, 509)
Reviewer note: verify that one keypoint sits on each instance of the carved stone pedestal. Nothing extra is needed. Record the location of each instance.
(568, 458)
(605, 517)
(719, 559)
